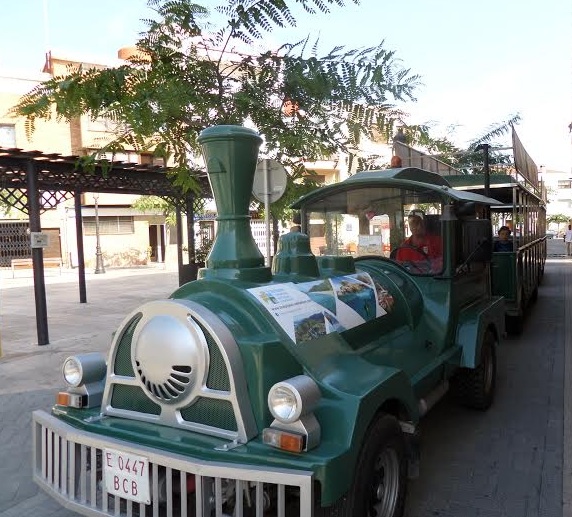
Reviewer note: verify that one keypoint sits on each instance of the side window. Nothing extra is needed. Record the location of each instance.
(7, 135)
(422, 250)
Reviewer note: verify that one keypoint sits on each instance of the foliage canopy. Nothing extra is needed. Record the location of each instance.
(190, 72)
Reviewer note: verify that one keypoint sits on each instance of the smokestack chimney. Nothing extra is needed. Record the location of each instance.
(231, 154)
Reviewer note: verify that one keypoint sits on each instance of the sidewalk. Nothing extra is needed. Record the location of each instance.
(31, 374)
(24, 277)
(71, 324)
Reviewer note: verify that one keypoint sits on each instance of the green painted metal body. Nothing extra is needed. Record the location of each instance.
(516, 274)
(432, 324)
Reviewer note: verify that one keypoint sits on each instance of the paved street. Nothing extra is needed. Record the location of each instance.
(31, 374)
(508, 461)
(505, 462)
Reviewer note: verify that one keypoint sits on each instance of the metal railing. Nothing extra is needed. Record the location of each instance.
(68, 465)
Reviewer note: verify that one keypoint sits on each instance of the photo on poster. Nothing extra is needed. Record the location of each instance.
(320, 292)
(310, 327)
(332, 323)
(310, 310)
(357, 295)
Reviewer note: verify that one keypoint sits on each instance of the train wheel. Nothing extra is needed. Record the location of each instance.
(515, 324)
(380, 479)
(475, 387)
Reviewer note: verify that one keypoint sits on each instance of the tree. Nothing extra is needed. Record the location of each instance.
(558, 219)
(188, 75)
(8, 202)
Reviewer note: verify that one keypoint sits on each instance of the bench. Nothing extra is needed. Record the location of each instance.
(27, 263)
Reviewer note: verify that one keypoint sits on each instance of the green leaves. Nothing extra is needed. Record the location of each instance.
(196, 68)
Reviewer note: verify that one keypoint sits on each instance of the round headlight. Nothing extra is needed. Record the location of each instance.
(84, 369)
(72, 371)
(284, 403)
(289, 400)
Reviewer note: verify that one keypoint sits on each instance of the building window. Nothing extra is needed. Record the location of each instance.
(151, 159)
(564, 184)
(109, 225)
(144, 158)
(7, 135)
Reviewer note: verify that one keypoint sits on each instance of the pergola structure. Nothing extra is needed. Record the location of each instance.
(33, 182)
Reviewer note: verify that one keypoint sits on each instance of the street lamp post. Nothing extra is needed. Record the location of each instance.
(99, 268)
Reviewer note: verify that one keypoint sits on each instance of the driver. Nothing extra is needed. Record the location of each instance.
(421, 246)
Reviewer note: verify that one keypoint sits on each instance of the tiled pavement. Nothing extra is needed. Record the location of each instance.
(507, 462)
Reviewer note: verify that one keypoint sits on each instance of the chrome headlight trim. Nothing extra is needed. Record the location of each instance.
(293, 398)
(71, 372)
(81, 369)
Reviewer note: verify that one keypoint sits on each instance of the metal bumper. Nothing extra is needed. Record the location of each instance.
(63, 457)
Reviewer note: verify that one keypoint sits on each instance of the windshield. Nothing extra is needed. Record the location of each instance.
(400, 224)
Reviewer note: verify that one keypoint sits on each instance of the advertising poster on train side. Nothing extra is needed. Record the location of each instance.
(310, 310)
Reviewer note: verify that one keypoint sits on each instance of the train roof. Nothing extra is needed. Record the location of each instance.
(406, 177)
(501, 186)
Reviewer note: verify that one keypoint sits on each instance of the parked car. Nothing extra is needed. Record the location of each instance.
(551, 234)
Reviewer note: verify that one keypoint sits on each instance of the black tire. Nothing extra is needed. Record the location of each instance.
(514, 324)
(475, 387)
(380, 478)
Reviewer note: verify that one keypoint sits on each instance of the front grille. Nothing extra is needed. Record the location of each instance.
(162, 339)
(67, 464)
(122, 364)
(217, 413)
(218, 374)
(133, 398)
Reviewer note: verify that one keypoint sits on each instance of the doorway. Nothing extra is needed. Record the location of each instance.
(157, 242)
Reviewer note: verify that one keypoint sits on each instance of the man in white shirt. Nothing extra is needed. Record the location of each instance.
(568, 240)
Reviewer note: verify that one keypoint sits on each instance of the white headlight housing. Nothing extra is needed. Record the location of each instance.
(83, 369)
(289, 400)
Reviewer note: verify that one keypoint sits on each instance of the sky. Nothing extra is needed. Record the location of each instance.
(480, 62)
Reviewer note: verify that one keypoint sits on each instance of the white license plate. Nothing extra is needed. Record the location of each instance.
(126, 475)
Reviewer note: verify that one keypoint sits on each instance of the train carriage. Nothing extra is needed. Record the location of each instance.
(516, 274)
(517, 270)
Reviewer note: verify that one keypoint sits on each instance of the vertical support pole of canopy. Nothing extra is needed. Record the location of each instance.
(487, 170)
(79, 245)
(179, 220)
(37, 254)
(181, 267)
(487, 173)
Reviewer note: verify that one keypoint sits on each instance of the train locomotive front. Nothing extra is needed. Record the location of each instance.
(294, 390)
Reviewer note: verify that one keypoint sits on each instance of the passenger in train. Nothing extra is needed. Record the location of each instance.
(421, 246)
(504, 242)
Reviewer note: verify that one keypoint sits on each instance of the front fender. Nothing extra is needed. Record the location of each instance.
(359, 399)
(473, 322)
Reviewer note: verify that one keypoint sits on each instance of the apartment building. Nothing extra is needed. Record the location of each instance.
(128, 236)
(559, 190)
